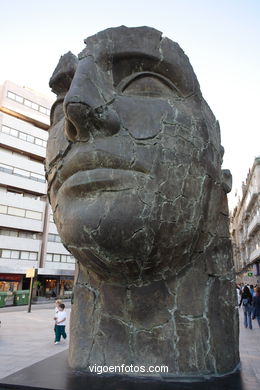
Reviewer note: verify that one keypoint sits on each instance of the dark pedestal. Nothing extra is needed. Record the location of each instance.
(54, 374)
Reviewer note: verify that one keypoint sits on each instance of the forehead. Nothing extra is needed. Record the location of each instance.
(126, 50)
(124, 41)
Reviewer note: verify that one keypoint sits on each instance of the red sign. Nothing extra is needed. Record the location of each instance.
(10, 277)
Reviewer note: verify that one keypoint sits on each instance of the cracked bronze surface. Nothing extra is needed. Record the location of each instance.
(135, 183)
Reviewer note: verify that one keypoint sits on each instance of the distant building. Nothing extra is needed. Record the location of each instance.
(245, 229)
(28, 236)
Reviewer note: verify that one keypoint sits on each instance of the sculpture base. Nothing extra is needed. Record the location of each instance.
(54, 374)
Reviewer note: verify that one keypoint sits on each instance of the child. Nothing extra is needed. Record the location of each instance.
(60, 323)
(57, 303)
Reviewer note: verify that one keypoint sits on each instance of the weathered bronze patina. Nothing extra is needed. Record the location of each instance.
(139, 198)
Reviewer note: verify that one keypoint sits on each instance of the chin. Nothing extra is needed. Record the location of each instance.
(114, 226)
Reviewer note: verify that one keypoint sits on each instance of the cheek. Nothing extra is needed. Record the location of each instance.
(116, 224)
(142, 117)
(57, 143)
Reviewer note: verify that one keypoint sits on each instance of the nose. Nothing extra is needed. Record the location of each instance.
(86, 110)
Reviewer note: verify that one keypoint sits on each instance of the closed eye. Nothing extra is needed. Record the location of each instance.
(148, 84)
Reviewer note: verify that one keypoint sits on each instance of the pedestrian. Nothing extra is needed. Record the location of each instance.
(60, 322)
(246, 302)
(256, 305)
(252, 291)
(57, 303)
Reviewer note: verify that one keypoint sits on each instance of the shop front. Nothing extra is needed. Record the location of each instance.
(10, 282)
(52, 286)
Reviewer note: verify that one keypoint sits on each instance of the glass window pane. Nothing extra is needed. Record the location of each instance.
(44, 144)
(16, 211)
(38, 141)
(6, 168)
(43, 110)
(24, 255)
(21, 172)
(27, 103)
(63, 258)
(3, 209)
(35, 106)
(5, 129)
(13, 233)
(6, 254)
(37, 177)
(33, 255)
(5, 232)
(15, 254)
(49, 257)
(14, 132)
(22, 136)
(30, 138)
(11, 95)
(56, 257)
(33, 215)
(19, 99)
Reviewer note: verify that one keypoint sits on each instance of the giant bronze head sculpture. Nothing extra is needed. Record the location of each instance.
(139, 198)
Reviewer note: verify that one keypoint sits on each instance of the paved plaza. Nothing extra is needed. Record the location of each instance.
(27, 338)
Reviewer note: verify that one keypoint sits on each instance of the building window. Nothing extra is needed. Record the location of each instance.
(14, 254)
(3, 209)
(21, 172)
(21, 193)
(28, 103)
(11, 95)
(6, 168)
(54, 257)
(48, 257)
(33, 215)
(18, 255)
(17, 212)
(23, 136)
(54, 238)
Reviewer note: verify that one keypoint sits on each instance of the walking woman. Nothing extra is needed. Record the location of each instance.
(256, 305)
(246, 302)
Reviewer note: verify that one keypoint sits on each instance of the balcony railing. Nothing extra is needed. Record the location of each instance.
(255, 254)
(251, 200)
(255, 224)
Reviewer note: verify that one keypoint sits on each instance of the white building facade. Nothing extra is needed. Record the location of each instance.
(245, 229)
(28, 236)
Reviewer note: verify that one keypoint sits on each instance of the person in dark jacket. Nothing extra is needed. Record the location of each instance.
(256, 305)
(246, 302)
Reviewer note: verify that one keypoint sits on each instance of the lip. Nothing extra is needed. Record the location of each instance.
(82, 183)
(88, 169)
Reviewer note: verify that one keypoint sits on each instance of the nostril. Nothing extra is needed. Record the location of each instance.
(70, 131)
(77, 122)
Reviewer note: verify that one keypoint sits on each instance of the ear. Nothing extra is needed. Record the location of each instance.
(63, 74)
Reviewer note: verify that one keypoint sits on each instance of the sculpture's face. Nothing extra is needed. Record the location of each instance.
(129, 155)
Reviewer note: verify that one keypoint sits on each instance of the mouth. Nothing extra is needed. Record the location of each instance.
(87, 182)
(85, 170)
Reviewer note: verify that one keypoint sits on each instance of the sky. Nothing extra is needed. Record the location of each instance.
(221, 39)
